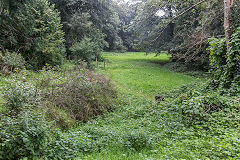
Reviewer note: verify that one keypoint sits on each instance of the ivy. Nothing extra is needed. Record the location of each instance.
(225, 63)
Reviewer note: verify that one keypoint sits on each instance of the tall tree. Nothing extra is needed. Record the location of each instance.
(33, 29)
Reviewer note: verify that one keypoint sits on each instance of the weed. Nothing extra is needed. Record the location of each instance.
(83, 95)
(10, 61)
(19, 95)
(25, 135)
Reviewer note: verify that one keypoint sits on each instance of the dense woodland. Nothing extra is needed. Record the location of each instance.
(119, 79)
(150, 26)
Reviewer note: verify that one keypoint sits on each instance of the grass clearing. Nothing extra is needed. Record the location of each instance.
(138, 78)
(138, 119)
(143, 74)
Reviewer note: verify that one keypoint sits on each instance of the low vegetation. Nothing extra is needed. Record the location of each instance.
(58, 113)
(35, 104)
(62, 97)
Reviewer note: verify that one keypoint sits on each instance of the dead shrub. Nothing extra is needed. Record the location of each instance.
(58, 115)
(83, 95)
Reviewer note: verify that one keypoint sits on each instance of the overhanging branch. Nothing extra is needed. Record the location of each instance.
(184, 12)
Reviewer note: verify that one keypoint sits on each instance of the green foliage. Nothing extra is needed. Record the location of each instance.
(35, 31)
(25, 135)
(137, 140)
(192, 123)
(201, 107)
(48, 46)
(218, 57)
(81, 17)
(225, 62)
(64, 146)
(158, 28)
(12, 59)
(209, 115)
(19, 95)
(86, 50)
(186, 68)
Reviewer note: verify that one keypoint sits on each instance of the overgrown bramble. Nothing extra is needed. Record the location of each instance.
(83, 95)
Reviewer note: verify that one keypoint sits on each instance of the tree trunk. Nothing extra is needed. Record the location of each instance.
(227, 21)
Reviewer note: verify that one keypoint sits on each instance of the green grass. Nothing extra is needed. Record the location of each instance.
(136, 118)
(137, 128)
(138, 78)
(143, 74)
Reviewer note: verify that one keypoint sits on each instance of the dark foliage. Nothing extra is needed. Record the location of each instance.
(33, 30)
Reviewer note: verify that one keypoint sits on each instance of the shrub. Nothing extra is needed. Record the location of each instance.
(137, 140)
(59, 116)
(199, 109)
(188, 69)
(84, 94)
(90, 47)
(48, 77)
(71, 144)
(25, 135)
(198, 113)
(64, 146)
(10, 61)
(198, 106)
(85, 50)
(19, 95)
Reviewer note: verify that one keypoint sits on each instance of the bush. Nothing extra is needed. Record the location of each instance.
(207, 110)
(199, 109)
(10, 61)
(189, 69)
(19, 95)
(197, 114)
(83, 95)
(85, 50)
(49, 77)
(59, 116)
(29, 135)
(25, 135)
(64, 146)
(137, 140)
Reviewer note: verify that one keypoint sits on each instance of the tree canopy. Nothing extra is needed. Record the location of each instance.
(180, 27)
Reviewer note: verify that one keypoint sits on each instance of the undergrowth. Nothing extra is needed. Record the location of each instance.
(34, 105)
(49, 120)
(198, 124)
(83, 95)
